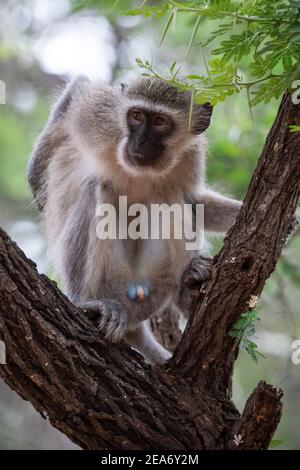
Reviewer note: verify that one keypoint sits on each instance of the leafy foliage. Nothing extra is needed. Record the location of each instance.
(275, 443)
(259, 51)
(244, 329)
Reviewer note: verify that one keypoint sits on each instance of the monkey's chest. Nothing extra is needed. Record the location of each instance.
(150, 254)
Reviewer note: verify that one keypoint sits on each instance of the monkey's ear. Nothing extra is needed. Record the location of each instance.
(201, 117)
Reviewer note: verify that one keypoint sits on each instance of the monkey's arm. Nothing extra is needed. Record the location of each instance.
(219, 211)
(49, 141)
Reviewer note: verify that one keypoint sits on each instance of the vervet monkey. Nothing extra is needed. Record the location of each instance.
(104, 141)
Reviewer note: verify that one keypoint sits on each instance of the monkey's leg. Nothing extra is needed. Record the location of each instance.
(110, 315)
(142, 339)
(195, 274)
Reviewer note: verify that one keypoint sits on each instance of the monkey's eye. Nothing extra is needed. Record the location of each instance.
(161, 123)
(136, 117)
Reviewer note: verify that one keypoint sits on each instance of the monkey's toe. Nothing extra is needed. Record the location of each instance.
(111, 317)
(113, 320)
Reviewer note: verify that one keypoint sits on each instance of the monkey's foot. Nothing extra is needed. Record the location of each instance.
(111, 317)
(192, 279)
(160, 357)
(197, 272)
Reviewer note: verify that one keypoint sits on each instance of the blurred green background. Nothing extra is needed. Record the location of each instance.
(43, 43)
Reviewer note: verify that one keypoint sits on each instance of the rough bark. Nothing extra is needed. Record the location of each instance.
(104, 396)
(248, 257)
(166, 328)
(262, 411)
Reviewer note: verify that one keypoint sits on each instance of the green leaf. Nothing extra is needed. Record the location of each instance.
(287, 60)
(194, 32)
(262, 40)
(157, 11)
(275, 443)
(172, 67)
(244, 329)
(167, 26)
(250, 104)
(194, 77)
(191, 109)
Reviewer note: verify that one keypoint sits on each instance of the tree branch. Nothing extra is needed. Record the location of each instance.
(251, 250)
(259, 420)
(166, 329)
(101, 395)
(104, 396)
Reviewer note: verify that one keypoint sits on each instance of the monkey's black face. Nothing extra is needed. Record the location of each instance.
(147, 133)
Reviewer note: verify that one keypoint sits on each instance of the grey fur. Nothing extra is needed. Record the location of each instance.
(78, 164)
(77, 239)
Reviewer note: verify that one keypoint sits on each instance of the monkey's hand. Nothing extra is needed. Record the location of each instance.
(192, 279)
(110, 315)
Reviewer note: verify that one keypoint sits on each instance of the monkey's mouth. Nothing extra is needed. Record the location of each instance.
(138, 159)
(144, 160)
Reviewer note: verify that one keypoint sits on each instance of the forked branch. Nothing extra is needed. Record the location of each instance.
(104, 396)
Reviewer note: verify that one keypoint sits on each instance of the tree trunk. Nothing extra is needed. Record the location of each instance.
(248, 257)
(104, 396)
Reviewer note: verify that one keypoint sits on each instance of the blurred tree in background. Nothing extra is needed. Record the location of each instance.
(43, 44)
